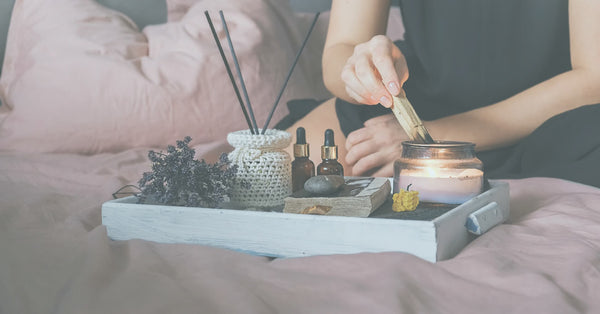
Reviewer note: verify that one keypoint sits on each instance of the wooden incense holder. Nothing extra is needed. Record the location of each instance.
(358, 197)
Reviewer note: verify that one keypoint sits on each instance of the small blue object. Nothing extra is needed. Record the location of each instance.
(472, 226)
(484, 219)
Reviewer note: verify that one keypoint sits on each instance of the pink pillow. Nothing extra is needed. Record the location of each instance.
(79, 77)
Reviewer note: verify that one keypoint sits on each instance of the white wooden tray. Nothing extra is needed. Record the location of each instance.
(292, 235)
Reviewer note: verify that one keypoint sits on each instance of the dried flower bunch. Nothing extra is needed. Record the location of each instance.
(179, 179)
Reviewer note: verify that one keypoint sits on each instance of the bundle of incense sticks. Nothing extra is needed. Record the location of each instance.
(247, 107)
(410, 121)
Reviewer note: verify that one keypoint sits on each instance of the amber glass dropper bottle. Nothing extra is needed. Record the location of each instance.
(329, 150)
(302, 167)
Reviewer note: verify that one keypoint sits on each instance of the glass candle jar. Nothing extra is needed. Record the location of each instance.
(443, 172)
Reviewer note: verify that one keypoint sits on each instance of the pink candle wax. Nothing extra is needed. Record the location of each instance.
(448, 186)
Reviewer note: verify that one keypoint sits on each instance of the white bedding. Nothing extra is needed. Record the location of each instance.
(55, 256)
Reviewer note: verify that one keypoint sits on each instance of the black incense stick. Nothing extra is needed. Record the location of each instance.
(290, 72)
(235, 88)
(237, 67)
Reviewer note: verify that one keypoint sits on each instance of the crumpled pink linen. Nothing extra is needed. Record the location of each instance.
(81, 78)
(55, 256)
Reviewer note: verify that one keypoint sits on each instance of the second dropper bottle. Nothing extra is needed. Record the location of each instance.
(330, 164)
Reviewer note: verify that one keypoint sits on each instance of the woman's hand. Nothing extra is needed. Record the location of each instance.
(373, 149)
(375, 71)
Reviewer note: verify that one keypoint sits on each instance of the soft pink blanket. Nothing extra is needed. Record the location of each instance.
(55, 256)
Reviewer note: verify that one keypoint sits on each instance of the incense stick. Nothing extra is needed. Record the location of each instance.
(410, 121)
(290, 72)
(237, 67)
(235, 88)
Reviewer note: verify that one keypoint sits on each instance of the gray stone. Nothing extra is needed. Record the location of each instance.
(324, 184)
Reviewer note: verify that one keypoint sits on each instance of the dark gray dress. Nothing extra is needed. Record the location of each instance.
(468, 54)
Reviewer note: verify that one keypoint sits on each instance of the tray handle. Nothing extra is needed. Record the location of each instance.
(484, 219)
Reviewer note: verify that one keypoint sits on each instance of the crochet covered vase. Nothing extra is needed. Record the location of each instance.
(263, 164)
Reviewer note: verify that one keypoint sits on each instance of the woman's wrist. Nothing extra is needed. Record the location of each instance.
(334, 59)
(471, 126)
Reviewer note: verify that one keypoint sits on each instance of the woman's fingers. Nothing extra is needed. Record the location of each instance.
(355, 88)
(375, 72)
(383, 60)
(357, 136)
(369, 162)
(367, 148)
(386, 171)
(376, 162)
(357, 96)
(358, 145)
(372, 148)
(360, 151)
(401, 68)
(370, 78)
(379, 119)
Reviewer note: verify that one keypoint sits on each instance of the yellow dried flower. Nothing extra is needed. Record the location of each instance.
(405, 200)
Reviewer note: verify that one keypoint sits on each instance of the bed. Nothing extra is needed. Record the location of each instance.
(87, 91)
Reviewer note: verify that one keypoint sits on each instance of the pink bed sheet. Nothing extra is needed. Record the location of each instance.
(55, 256)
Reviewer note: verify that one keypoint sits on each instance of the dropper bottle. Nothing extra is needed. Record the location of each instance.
(329, 165)
(302, 167)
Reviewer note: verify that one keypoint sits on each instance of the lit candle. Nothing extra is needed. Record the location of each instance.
(442, 172)
(442, 185)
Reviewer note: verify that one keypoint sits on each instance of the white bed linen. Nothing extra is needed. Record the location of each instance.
(55, 256)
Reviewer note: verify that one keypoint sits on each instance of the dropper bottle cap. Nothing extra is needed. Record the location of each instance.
(301, 147)
(329, 149)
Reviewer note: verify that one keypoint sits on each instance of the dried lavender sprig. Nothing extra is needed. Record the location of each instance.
(178, 179)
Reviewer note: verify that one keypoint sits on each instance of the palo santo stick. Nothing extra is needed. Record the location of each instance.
(410, 121)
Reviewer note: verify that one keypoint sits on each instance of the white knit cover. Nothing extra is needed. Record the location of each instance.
(264, 164)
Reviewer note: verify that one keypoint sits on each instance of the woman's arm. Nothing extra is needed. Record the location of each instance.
(508, 121)
(356, 61)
